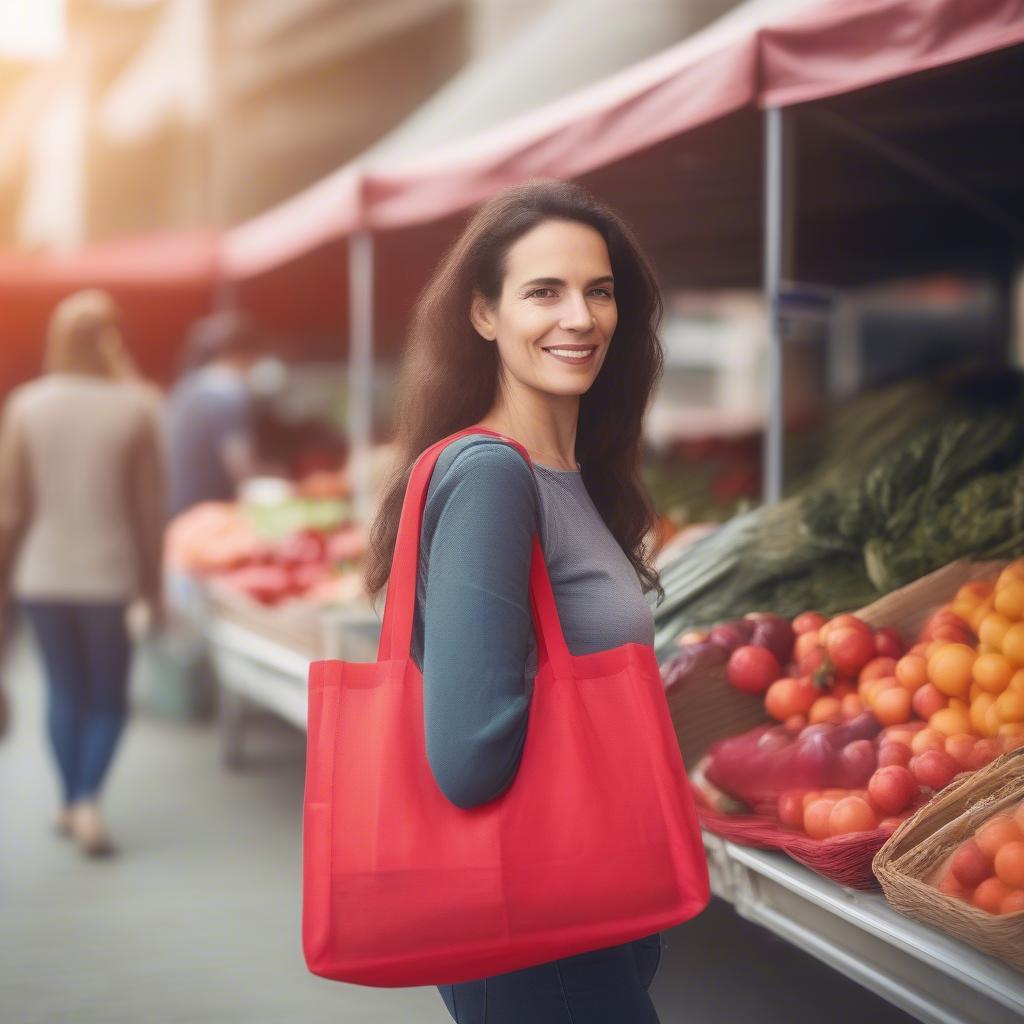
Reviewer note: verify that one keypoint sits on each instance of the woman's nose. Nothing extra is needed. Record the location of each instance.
(577, 315)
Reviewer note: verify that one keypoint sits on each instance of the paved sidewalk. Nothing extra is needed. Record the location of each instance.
(197, 922)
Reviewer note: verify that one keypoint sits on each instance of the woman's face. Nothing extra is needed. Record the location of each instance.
(556, 315)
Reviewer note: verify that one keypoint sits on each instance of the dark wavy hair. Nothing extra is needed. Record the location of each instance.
(449, 375)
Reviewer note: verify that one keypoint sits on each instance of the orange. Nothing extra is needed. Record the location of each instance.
(825, 709)
(1010, 864)
(992, 672)
(990, 726)
(979, 708)
(950, 721)
(912, 671)
(1017, 682)
(1009, 599)
(980, 612)
(949, 669)
(1013, 903)
(990, 895)
(974, 691)
(996, 833)
(993, 628)
(892, 706)
(988, 649)
(1012, 644)
(928, 739)
(816, 817)
(1014, 571)
(1010, 706)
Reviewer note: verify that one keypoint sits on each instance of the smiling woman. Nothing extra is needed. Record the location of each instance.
(540, 325)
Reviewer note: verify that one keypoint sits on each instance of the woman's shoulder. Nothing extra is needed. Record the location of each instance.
(482, 456)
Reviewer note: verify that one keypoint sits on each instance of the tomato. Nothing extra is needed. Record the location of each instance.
(850, 648)
(791, 807)
(891, 788)
(934, 768)
(844, 621)
(808, 622)
(888, 643)
(753, 669)
(876, 668)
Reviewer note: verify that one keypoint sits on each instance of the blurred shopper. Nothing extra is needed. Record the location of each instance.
(81, 524)
(209, 426)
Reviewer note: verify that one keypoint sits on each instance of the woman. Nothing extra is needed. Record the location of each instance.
(540, 323)
(80, 537)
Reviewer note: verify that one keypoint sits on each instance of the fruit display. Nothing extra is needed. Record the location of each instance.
(220, 542)
(869, 727)
(987, 869)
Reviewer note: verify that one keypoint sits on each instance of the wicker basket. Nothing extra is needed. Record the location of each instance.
(707, 707)
(924, 841)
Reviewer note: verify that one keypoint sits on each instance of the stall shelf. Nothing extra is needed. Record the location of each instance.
(932, 976)
(254, 668)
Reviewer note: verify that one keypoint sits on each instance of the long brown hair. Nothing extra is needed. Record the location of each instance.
(449, 375)
(75, 341)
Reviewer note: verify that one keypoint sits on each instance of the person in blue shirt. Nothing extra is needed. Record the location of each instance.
(209, 415)
(539, 323)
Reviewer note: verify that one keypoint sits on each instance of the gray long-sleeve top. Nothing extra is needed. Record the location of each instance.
(473, 635)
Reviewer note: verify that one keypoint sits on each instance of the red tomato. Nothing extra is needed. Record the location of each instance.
(808, 622)
(850, 649)
(891, 788)
(753, 669)
(889, 644)
(791, 807)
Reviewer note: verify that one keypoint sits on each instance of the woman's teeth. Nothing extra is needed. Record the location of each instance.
(574, 355)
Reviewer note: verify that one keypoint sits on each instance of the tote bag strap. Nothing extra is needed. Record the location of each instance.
(400, 600)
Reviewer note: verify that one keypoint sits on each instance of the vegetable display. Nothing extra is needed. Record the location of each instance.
(914, 497)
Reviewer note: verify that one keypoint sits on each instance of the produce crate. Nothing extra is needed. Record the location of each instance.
(921, 844)
(908, 608)
(707, 707)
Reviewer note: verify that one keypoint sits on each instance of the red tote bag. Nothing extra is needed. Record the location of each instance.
(595, 842)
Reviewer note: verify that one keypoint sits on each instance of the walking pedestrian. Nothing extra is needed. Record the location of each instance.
(81, 525)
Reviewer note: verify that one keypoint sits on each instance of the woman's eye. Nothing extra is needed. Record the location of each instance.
(537, 291)
(604, 291)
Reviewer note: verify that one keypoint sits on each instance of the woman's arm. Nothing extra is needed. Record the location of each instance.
(477, 627)
(15, 506)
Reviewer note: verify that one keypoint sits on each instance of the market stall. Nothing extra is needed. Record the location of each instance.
(893, 128)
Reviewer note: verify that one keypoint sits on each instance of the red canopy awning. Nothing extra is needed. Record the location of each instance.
(781, 54)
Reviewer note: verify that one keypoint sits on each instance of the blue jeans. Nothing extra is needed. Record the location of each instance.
(86, 653)
(603, 986)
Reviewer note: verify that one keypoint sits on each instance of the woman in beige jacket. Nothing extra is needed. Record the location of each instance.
(81, 526)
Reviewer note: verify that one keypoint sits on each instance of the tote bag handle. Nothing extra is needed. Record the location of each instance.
(400, 600)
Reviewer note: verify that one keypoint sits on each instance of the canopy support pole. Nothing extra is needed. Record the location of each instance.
(359, 379)
(779, 184)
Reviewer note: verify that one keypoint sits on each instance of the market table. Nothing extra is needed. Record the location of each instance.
(930, 975)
